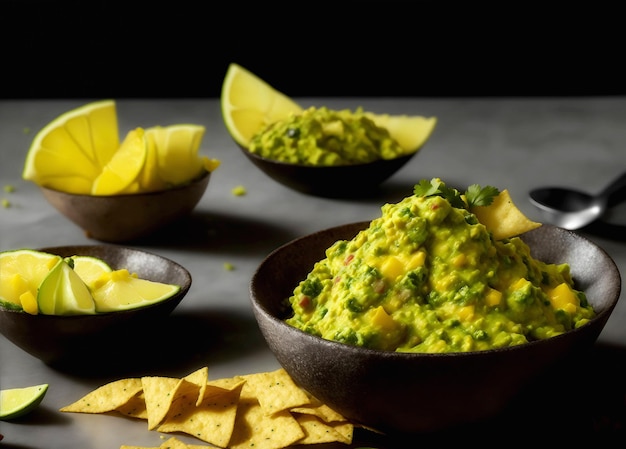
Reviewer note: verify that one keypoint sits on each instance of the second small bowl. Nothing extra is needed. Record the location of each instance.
(123, 218)
(74, 339)
(354, 180)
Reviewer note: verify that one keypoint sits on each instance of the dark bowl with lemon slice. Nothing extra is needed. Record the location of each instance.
(80, 338)
(400, 393)
(317, 151)
(128, 217)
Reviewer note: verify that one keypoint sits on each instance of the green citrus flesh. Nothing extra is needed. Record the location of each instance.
(63, 292)
(17, 402)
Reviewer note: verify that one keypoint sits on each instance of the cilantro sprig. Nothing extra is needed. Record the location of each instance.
(475, 195)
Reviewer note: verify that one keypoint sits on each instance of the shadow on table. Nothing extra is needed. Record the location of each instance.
(174, 346)
(215, 232)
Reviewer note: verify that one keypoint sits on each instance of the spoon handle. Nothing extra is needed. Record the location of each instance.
(615, 192)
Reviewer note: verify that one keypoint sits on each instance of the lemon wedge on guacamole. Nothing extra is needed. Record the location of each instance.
(249, 104)
(69, 153)
(17, 402)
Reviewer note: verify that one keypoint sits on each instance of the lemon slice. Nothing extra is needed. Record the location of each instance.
(89, 268)
(16, 402)
(69, 153)
(176, 149)
(124, 167)
(63, 292)
(121, 290)
(249, 104)
(410, 131)
(21, 273)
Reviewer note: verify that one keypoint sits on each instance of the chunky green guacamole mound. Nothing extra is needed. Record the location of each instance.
(426, 276)
(321, 136)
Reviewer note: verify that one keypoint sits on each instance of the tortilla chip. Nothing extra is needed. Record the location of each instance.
(134, 408)
(276, 391)
(502, 217)
(318, 431)
(199, 378)
(255, 428)
(212, 421)
(319, 409)
(106, 398)
(172, 443)
(159, 394)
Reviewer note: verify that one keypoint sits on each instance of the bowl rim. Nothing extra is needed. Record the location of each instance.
(184, 288)
(404, 157)
(258, 307)
(199, 180)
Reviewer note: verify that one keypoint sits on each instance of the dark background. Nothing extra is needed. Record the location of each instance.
(181, 48)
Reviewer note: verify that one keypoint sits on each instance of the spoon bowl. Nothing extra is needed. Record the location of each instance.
(572, 209)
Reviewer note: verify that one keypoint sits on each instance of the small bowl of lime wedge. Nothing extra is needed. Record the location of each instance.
(91, 302)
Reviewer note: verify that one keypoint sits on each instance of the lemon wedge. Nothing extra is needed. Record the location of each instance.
(69, 153)
(249, 104)
(119, 174)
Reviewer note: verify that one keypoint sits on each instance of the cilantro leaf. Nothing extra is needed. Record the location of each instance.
(480, 196)
(436, 187)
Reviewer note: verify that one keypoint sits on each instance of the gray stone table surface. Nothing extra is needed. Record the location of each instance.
(513, 143)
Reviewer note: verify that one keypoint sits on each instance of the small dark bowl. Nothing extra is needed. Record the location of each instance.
(124, 218)
(65, 340)
(342, 181)
(400, 393)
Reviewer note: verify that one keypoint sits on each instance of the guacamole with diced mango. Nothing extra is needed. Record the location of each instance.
(427, 276)
(321, 136)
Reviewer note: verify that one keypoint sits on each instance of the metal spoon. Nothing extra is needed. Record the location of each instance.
(572, 209)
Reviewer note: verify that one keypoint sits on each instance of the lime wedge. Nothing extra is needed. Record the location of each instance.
(89, 268)
(63, 292)
(121, 290)
(16, 402)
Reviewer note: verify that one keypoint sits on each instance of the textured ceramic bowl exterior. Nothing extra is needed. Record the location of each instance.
(62, 340)
(123, 218)
(342, 181)
(417, 393)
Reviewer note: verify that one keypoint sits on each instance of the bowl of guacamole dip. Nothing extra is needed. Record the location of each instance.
(330, 153)
(421, 320)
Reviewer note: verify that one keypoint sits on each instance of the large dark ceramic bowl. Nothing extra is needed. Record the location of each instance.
(124, 218)
(67, 340)
(342, 181)
(400, 393)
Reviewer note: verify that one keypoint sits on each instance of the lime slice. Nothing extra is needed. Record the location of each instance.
(89, 268)
(63, 292)
(21, 273)
(121, 290)
(16, 402)
(124, 167)
(249, 104)
(71, 151)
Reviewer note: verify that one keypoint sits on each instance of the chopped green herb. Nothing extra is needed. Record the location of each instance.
(475, 195)
(6, 203)
(9, 188)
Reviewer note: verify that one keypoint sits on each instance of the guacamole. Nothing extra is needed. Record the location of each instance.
(321, 136)
(426, 276)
